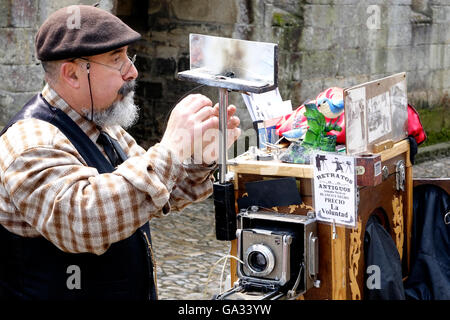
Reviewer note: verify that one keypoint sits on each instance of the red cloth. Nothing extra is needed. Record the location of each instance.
(415, 128)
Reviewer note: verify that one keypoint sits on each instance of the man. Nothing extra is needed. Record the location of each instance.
(76, 191)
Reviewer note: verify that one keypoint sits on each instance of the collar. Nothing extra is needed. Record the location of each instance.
(88, 127)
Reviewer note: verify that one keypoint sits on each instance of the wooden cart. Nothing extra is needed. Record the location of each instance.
(341, 260)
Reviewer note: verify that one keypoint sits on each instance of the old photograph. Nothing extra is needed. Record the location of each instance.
(399, 107)
(355, 103)
(379, 116)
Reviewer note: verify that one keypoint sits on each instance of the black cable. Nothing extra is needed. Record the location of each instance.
(184, 96)
(90, 91)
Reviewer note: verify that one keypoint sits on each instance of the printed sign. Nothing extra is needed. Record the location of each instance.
(335, 188)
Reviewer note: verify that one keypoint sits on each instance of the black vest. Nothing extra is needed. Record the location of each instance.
(34, 268)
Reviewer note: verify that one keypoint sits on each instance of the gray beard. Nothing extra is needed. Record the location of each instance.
(123, 113)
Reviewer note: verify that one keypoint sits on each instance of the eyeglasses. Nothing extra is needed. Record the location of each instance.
(124, 67)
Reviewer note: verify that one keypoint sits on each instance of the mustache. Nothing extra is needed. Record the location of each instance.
(127, 87)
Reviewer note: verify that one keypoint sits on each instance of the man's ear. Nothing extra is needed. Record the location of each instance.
(69, 74)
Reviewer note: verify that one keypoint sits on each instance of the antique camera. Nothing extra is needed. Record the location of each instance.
(279, 254)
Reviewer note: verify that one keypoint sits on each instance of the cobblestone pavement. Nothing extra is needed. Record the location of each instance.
(187, 251)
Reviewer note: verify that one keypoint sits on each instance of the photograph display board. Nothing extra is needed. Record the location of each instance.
(376, 112)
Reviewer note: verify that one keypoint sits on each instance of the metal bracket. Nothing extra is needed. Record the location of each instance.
(358, 197)
(385, 172)
(400, 169)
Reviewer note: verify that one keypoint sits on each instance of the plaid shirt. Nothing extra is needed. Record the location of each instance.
(48, 190)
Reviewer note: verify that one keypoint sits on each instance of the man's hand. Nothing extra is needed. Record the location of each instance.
(192, 125)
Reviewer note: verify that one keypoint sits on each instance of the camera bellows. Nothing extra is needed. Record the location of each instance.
(225, 211)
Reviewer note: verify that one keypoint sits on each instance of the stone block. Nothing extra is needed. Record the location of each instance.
(418, 80)
(445, 76)
(150, 90)
(318, 38)
(325, 16)
(216, 11)
(11, 103)
(344, 82)
(377, 60)
(439, 33)
(398, 59)
(438, 79)
(441, 14)
(420, 58)
(306, 89)
(17, 46)
(288, 38)
(399, 35)
(373, 38)
(417, 97)
(24, 13)
(21, 78)
(143, 64)
(446, 64)
(350, 15)
(5, 13)
(331, 2)
(397, 14)
(183, 63)
(163, 51)
(291, 6)
(164, 67)
(352, 62)
(319, 63)
(282, 18)
(352, 37)
(440, 2)
(436, 56)
(399, 2)
(288, 66)
(422, 34)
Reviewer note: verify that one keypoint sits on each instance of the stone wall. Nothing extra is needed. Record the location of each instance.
(322, 43)
(20, 73)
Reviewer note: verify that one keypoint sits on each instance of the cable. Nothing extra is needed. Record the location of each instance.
(223, 269)
(184, 96)
(88, 66)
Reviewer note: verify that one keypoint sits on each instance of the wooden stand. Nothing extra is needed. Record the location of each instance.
(341, 262)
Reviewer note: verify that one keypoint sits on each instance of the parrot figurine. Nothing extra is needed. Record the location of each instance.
(329, 108)
(295, 134)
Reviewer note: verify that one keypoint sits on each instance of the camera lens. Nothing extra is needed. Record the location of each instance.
(257, 261)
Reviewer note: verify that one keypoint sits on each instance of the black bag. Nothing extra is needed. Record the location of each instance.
(383, 277)
(429, 278)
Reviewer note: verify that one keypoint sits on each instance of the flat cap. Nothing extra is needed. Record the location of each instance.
(81, 30)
